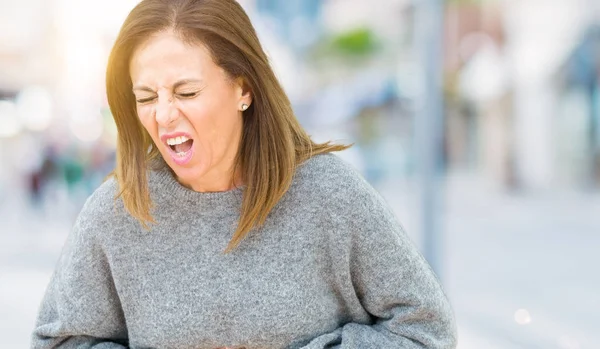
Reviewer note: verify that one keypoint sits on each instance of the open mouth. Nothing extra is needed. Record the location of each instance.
(180, 145)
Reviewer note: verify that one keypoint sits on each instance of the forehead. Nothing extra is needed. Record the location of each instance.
(164, 56)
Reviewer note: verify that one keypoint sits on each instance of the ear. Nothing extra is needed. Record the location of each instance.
(244, 91)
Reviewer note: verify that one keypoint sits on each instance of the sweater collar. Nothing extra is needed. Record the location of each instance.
(164, 186)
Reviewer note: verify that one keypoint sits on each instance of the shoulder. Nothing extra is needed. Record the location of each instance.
(103, 198)
(328, 187)
(333, 183)
(328, 174)
(102, 207)
(324, 164)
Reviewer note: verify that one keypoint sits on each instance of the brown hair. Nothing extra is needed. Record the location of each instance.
(273, 143)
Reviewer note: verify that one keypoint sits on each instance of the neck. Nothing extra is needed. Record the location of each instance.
(219, 182)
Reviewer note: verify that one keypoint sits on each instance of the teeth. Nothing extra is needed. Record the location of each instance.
(177, 140)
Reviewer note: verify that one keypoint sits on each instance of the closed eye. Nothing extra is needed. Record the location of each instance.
(188, 95)
(145, 100)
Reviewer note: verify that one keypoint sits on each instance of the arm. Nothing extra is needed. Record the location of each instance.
(394, 284)
(81, 308)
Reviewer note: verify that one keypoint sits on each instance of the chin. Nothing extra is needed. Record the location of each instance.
(188, 174)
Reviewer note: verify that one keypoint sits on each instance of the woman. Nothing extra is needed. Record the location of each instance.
(231, 228)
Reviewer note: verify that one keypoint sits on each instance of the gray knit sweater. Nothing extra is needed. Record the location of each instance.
(331, 268)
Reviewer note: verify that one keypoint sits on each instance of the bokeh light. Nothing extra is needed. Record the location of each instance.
(9, 119)
(34, 106)
(522, 317)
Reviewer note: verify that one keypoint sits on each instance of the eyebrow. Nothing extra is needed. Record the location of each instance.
(175, 85)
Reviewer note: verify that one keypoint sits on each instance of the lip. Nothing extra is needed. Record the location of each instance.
(164, 137)
(176, 158)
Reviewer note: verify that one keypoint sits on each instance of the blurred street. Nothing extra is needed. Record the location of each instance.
(537, 254)
(502, 253)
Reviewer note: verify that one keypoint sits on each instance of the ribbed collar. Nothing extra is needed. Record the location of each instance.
(163, 185)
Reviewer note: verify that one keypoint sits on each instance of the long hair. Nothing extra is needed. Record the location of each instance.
(273, 143)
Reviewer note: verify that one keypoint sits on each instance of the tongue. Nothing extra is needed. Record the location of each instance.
(184, 147)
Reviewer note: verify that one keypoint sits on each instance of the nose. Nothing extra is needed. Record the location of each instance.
(165, 112)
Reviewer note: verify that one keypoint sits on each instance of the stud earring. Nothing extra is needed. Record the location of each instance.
(244, 107)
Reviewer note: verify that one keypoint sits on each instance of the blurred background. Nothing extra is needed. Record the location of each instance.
(478, 121)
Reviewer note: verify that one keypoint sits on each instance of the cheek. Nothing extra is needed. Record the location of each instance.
(144, 114)
(200, 116)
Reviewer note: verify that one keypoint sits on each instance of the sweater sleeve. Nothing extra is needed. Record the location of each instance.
(81, 308)
(394, 284)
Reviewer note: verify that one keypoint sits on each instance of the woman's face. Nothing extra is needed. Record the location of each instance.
(191, 109)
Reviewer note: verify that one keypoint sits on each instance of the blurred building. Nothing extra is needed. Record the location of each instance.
(520, 83)
(505, 106)
(579, 113)
(296, 21)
